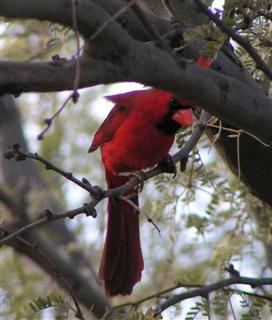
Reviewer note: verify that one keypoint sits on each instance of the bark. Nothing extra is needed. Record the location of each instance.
(118, 57)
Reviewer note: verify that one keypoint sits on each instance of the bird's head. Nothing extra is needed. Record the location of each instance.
(167, 112)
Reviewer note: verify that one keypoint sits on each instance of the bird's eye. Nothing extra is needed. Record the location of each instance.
(173, 102)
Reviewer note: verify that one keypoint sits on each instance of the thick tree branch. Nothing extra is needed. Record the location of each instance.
(129, 60)
(225, 97)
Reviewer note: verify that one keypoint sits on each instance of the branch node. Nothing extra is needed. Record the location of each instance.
(75, 96)
(48, 121)
(86, 181)
(68, 174)
(97, 193)
(90, 210)
(57, 61)
(9, 154)
(48, 214)
(14, 152)
(20, 156)
(232, 271)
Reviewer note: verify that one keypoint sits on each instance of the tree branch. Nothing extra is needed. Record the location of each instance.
(89, 209)
(129, 60)
(48, 216)
(244, 42)
(205, 290)
(19, 155)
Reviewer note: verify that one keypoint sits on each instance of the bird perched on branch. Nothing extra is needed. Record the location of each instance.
(137, 134)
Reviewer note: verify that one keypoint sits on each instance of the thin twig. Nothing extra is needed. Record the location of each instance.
(251, 294)
(111, 19)
(237, 131)
(137, 209)
(88, 209)
(232, 309)
(19, 155)
(49, 121)
(171, 9)
(74, 95)
(237, 135)
(75, 27)
(244, 42)
(150, 28)
(195, 136)
(208, 306)
(157, 295)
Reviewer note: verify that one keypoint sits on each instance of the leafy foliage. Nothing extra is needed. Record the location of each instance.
(32, 310)
(199, 308)
(255, 308)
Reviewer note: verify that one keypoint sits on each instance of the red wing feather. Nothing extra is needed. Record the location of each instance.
(108, 128)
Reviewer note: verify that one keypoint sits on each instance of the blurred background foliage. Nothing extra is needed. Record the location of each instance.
(204, 214)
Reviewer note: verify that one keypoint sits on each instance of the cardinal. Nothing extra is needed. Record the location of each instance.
(137, 134)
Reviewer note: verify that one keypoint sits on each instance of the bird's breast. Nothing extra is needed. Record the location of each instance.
(135, 148)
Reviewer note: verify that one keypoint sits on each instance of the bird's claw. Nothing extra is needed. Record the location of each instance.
(168, 165)
(139, 174)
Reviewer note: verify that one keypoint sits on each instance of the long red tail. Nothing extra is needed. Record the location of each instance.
(122, 261)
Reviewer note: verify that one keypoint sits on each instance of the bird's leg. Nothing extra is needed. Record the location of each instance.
(139, 174)
(168, 165)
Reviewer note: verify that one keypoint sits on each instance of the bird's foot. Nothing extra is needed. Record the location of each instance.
(168, 165)
(139, 174)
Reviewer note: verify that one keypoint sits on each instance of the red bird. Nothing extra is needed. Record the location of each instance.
(137, 134)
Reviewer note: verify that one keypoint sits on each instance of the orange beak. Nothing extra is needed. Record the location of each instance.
(184, 117)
